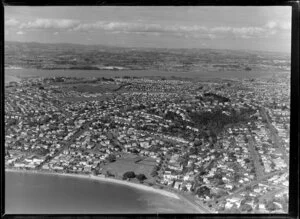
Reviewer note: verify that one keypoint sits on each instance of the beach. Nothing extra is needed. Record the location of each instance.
(109, 193)
(104, 179)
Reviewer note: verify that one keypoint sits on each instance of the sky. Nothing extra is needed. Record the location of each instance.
(238, 28)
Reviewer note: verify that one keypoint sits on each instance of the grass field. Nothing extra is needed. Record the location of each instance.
(128, 163)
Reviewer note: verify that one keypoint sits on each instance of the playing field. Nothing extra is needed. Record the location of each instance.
(139, 165)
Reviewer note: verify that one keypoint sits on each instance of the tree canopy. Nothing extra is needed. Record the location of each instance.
(129, 175)
(141, 177)
(111, 158)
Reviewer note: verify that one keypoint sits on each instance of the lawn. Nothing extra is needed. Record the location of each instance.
(124, 164)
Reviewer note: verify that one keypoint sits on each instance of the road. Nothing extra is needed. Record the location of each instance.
(259, 169)
(197, 204)
(253, 183)
(71, 140)
(272, 193)
(66, 144)
(275, 138)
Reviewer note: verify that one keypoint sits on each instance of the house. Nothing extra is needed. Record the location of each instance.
(188, 186)
(144, 144)
(58, 168)
(262, 206)
(229, 186)
(19, 165)
(186, 177)
(45, 167)
(228, 205)
(87, 169)
(236, 200)
(177, 185)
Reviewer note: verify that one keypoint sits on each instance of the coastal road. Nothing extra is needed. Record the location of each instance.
(197, 204)
(191, 200)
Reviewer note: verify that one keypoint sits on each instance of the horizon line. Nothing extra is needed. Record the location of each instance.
(142, 47)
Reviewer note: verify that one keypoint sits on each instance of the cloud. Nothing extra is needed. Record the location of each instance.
(153, 29)
(282, 25)
(11, 22)
(195, 31)
(285, 25)
(138, 28)
(245, 32)
(250, 31)
(221, 29)
(20, 33)
(271, 24)
(123, 27)
(211, 36)
(50, 24)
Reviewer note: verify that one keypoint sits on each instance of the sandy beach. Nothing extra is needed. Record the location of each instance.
(104, 179)
(175, 199)
(152, 200)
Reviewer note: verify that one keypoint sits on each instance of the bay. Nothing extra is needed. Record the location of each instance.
(206, 75)
(34, 193)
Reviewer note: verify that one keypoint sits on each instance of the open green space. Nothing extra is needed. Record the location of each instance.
(138, 165)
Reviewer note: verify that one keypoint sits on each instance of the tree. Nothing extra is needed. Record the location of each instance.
(248, 188)
(184, 188)
(272, 165)
(111, 158)
(193, 150)
(141, 177)
(233, 210)
(7, 153)
(269, 141)
(128, 175)
(95, 172)
(154, 173)
(109, 174)
(247, 160)
(270, 206)
(203, 190)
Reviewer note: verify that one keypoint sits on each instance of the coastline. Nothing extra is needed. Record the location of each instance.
(177, 197)
(11, 78)
(156, 203)
(102, 179)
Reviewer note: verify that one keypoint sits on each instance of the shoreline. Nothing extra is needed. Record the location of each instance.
(200, 74)
(11, 78)
(162, 192)
(102, 179)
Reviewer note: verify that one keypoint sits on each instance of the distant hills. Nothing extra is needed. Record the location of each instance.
(97, 57)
